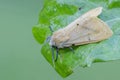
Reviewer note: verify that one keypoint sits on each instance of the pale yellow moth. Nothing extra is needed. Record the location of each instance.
(86, 29)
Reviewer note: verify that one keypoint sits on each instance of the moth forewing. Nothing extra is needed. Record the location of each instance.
(93, 30)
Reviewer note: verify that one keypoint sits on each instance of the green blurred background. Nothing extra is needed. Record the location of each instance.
(20, 57)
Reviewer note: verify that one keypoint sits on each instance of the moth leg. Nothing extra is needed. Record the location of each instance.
(51, 29)
(57, 52)
(71, 49)
(60, 58)
(53, 59)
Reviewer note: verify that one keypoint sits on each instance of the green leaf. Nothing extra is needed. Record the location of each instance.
(59, 13)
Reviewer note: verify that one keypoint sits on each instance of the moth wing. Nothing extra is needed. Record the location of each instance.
(85, 17)
(92, 13)
(93, 30)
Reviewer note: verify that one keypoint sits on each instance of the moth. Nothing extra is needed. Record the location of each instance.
(88, 28)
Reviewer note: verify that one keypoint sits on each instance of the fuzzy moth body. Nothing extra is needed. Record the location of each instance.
(86, 29)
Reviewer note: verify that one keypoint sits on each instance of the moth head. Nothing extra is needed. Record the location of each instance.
(58, 39)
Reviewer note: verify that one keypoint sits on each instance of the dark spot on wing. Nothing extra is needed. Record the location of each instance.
(82, 6)
(89, 38)
(73, 44)
(77, 24)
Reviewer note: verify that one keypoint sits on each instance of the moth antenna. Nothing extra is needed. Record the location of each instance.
(48, 39)
(57, 52)
(53, 59)
(51, 29)
(71, 49)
